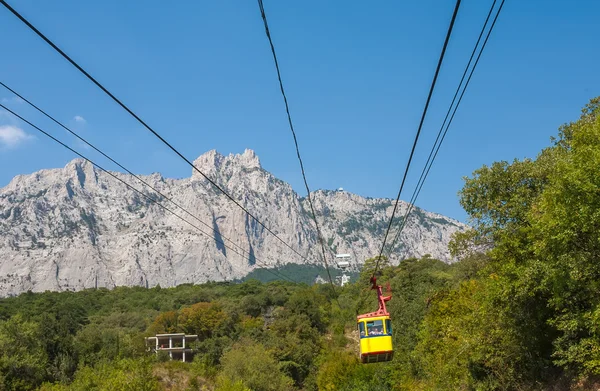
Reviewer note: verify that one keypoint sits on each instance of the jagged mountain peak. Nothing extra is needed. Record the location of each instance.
(215, 163)
(249, 159)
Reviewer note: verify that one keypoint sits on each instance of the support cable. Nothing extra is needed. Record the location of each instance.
(139, 178)
(151, 199)
(442, 135)
(289, 118)
(145, 125)
(437, 71)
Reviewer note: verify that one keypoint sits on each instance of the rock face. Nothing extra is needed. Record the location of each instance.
(78, 227)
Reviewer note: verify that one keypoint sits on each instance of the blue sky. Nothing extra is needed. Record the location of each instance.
(356, 75)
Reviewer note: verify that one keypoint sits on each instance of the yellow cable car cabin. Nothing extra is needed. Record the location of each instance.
(375, 339)
(375, 331)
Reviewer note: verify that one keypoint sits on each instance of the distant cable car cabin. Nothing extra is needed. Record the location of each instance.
(375, 330)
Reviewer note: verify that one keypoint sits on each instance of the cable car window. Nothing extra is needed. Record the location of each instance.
(375, 327)
(361, 329)
(388, 326)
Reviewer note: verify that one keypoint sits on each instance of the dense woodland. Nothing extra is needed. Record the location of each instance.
(519, 311)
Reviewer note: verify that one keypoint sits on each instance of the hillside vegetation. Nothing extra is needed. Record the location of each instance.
(253, 335)
(520, 311)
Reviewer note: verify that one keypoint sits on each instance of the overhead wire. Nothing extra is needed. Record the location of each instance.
(448, 119)
(431, 89)
(140, 179)
(145, 125)
(291, 125)
(151, 199)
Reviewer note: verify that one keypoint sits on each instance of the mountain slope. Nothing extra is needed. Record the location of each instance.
(77, 227)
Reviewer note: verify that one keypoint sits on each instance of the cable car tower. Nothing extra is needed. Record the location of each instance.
(343, 262)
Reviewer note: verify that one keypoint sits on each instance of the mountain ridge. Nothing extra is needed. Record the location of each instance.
(76, 227)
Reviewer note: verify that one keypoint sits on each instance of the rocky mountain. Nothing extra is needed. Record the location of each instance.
(78, 227)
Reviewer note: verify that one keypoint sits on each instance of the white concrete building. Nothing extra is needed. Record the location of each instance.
(174, 344)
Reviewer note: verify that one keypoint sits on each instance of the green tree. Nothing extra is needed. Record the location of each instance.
(542, 217)
(23, 359)
(336, 370)
(341, 371)
(166, 322)
(415, 283)
(254, 366)
(229, 385)
(203, 319)
(294, 343)
(468, 342)
(565, 223)
(119, 375)
(311, 304)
